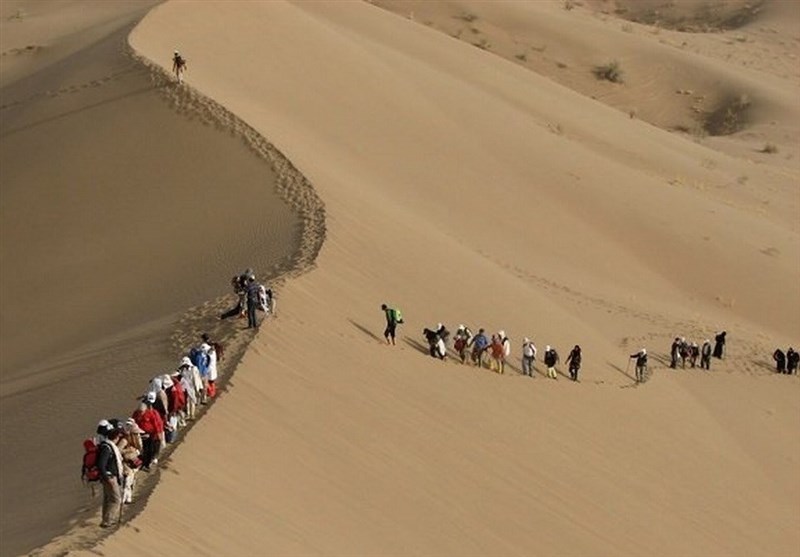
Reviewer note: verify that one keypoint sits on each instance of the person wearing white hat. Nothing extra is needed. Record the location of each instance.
(641, 364)
(149, 420)
(528, 356)
(178, 66)
(109, 462)
(550, 360)
(130, 445)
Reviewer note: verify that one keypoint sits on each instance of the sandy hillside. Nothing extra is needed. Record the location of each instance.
(109, 177)
(466, 188)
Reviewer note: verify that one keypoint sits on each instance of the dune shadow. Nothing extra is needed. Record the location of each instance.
(366, 331)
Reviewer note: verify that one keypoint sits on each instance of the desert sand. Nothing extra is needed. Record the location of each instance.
(465, 185)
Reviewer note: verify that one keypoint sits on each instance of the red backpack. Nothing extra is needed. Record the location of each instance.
(90, 472)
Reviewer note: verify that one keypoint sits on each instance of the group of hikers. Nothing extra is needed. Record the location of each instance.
(683, 351)
(124, 446)
(252, 297)
(494, 351)
(482, 350)
(121, 447)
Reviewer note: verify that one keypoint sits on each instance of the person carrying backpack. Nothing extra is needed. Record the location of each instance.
(574, 362)
(393, 319)
(461, 341)
(178, 66)
(149, 420)
(550, 360)
(109, 464)
(641, 364)
(528, 356)
(479, 345)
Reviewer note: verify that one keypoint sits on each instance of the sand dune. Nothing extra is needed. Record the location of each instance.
(119, 216)
(464, 187)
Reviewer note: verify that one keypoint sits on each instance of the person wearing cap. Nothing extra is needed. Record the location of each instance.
(528, 356)
(109, 463)
(461, 341)
(191, 389)
(213, 370)
(641, 364)
(130, 445)
(178, 66)
(550, 360)
(149, 420)
(253, 293)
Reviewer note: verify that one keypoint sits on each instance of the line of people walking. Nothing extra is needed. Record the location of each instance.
(122, 447)
(484, 351)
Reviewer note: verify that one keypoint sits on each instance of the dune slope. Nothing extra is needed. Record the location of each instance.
(464, 188)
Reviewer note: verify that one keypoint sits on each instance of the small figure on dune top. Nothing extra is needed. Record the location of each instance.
(178, 66)
(393, 319)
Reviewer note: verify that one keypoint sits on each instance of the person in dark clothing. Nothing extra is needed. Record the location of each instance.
(719, 345)
(674, 353)
(574, 362)
(253, 295)
(109, 462)
(239, 284)
(780, 360)
(792, 359)
(391, 324)
(694, 353)
(705, 355)
(641, 364)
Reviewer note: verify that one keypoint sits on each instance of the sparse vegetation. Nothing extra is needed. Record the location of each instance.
(770, 148)
(469, 17)
(561, 65)
(522, 57)
(609, 72)
(627, 27)
(569, 5)
(483, 44)
(729, 117)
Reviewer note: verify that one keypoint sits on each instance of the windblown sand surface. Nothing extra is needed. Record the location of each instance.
(465, 187)
(120, 211)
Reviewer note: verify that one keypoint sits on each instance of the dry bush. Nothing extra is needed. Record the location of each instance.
(770, 148)
(729, 117)
(609, 72)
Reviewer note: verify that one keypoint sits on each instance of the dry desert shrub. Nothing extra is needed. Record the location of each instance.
(469, 17)
(609, 72)
(770, 148)
(729, 117)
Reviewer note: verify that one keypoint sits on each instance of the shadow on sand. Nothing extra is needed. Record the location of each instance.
(366, 331)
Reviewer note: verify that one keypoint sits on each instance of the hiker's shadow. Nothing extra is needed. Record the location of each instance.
(366, 331)
(624, 372)
(763, 365)
(417, 345)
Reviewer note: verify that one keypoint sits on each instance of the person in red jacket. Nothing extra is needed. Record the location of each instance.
(150, 421)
